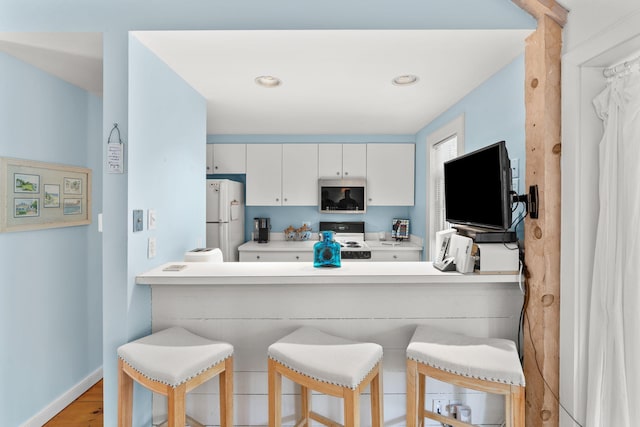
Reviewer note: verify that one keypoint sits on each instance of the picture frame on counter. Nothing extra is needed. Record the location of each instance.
(400, 229)
(38, 195)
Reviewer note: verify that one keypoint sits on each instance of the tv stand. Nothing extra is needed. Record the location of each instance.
(486, 235)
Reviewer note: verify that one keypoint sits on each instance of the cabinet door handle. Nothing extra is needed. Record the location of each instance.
(215, 167)
(285, 199)
(338, 173)
(257, 256)
(395, 257)
(297, 257)
(346, 173)
(370, 199)
(277, 199)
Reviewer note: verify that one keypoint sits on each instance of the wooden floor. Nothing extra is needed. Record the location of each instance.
(85, 411)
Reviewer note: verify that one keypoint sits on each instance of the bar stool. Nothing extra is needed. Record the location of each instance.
(326, 364)
(489, 365)
(172, 362)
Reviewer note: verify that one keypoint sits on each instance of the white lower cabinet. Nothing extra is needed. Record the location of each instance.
(307, 256)
(276, 256)
(400, 256)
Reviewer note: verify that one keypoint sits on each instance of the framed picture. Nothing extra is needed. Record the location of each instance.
(23, 208)
(26, 183)
(65, 199)
(72, 207)
(51, 196)
(72, 186)
(400, 229)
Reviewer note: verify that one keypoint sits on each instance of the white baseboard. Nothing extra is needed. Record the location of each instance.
(52, 409)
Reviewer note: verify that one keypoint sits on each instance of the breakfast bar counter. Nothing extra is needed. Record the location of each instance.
(265, 273)
(252, 305)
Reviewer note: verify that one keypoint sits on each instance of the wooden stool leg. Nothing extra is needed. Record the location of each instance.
(226, 394)
(517, 407)
(305, 406)
(351, 408)
(412, 393)
(275, 395)
(177, 406)
(422, 392)
(125, 396)
(377, 403)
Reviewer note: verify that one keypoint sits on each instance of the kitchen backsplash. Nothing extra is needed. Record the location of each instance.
(377, 218)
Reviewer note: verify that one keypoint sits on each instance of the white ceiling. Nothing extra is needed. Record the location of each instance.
(334, 81)
(73, 57)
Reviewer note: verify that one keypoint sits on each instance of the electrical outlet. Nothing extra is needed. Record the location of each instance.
(151, 248)
(439, 406)
(515, 168)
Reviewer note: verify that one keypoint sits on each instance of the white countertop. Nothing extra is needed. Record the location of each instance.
(307, 245)
(228, 273)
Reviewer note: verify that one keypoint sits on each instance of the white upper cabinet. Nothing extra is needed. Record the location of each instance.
(282, 175)
(229, 158)
(287, 174)
(300, 174)
(354, 160)
(390, 174)
(342, 161)
(264, 175)
(209, 159)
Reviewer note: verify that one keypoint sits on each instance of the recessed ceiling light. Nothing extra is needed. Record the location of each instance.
(268, 81)
(405, 80)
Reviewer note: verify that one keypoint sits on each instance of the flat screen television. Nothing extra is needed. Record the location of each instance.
(477, 188)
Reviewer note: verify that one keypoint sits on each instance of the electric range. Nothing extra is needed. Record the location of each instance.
(350, 235)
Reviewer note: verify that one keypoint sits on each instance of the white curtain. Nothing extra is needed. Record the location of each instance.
(613, 396)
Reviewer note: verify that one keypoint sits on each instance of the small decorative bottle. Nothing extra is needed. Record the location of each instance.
(326, 252)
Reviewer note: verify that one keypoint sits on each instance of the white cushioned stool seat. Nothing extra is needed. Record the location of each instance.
(491, 359)
(173, 362)
(325, 357)
(490, 365)
(327, 364)
(174, 355)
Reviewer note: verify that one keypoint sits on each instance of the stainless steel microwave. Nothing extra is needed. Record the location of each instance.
(342, 195)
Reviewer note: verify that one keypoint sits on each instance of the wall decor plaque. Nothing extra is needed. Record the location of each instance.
(36, 195)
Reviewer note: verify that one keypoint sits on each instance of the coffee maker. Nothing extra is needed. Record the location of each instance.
(261, 227)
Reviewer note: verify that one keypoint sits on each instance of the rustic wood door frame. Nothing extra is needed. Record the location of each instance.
(542, 234)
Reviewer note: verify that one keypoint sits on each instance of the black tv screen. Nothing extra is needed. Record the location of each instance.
(477, 188)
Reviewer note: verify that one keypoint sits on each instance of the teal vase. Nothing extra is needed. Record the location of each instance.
(326, 252)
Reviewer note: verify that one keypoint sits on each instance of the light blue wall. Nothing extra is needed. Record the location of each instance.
(167, 133)
(50, 280)
(115, 18)
(494, 111)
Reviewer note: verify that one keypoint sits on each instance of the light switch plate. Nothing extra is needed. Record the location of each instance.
(138, 223)
(151, 219)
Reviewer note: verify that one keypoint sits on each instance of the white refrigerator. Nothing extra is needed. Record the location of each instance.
(225, 216)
